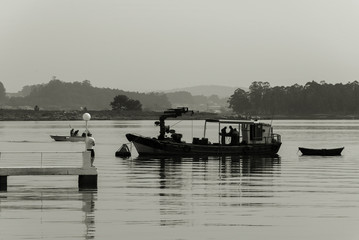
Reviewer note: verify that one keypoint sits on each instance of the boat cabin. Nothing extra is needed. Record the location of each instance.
(238, 132)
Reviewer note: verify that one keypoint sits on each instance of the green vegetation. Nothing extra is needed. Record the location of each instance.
(312, 98)
(59, 100)
(2, 93)
(198, 102)
(43, 115)
(122, 102)
(58, 95)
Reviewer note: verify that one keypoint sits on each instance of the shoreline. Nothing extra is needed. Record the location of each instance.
(58, 115)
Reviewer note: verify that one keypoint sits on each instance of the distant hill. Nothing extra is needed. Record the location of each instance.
(57, 95)
(208, 90)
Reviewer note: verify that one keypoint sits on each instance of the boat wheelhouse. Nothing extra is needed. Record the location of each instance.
(249, 132)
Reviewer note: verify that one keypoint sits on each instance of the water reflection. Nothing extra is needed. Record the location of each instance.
(228, 183)
(52, 205)
(231, 166)
(248, 165)
(88, 207)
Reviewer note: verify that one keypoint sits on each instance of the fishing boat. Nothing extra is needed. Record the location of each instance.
(321, 152)
(251, 138)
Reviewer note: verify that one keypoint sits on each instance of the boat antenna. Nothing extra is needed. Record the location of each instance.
(192, 128)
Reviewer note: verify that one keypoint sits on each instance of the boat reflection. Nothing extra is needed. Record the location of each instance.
(232, 165)
(230, 182)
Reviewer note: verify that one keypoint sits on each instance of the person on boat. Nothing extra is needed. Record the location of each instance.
(223, 135)
(235, 137)
(90, 143)
(230, 130)
(72, 132)
(76, 132)
(230, 134)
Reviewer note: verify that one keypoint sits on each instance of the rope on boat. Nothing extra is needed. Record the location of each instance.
(177, 123)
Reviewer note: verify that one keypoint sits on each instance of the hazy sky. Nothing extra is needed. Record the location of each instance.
(145, 45)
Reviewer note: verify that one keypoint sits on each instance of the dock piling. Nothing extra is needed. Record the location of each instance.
(87, 182)
(3, 183)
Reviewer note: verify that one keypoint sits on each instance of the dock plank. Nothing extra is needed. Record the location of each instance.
(22, 171)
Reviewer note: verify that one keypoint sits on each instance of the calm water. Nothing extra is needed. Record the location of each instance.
(288, 197)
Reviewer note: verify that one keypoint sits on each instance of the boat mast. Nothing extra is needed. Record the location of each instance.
(172, 112)
(205, 128)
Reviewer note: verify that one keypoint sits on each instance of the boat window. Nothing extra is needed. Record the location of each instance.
(256, 132)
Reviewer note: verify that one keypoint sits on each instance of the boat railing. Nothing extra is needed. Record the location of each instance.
(276, 137)
(272, 139)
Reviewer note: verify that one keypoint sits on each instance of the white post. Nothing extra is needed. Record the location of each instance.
(86, 155)
(86, 159)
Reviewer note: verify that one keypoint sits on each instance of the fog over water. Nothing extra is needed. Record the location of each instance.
(140, 45)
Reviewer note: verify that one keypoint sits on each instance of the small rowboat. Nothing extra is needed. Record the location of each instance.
(61, 138)
(321, 152)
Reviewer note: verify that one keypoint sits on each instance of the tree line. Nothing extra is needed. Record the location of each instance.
(311, 98)
(59, 95)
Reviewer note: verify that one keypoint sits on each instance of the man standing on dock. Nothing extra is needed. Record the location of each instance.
(90, 143)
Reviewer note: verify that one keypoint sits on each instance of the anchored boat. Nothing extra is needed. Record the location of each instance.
(62, 138)
(251, 138)
(321, 152)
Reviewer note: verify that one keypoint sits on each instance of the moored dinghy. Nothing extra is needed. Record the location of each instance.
(60, 138)
(321, 152)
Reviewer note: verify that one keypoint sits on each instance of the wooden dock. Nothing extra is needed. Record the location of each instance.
(87, 175)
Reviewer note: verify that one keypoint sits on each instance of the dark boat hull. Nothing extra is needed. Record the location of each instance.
(152, 146)
(321, 152)
(60, 138)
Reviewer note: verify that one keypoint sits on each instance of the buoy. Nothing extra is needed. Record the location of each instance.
(123, 151)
